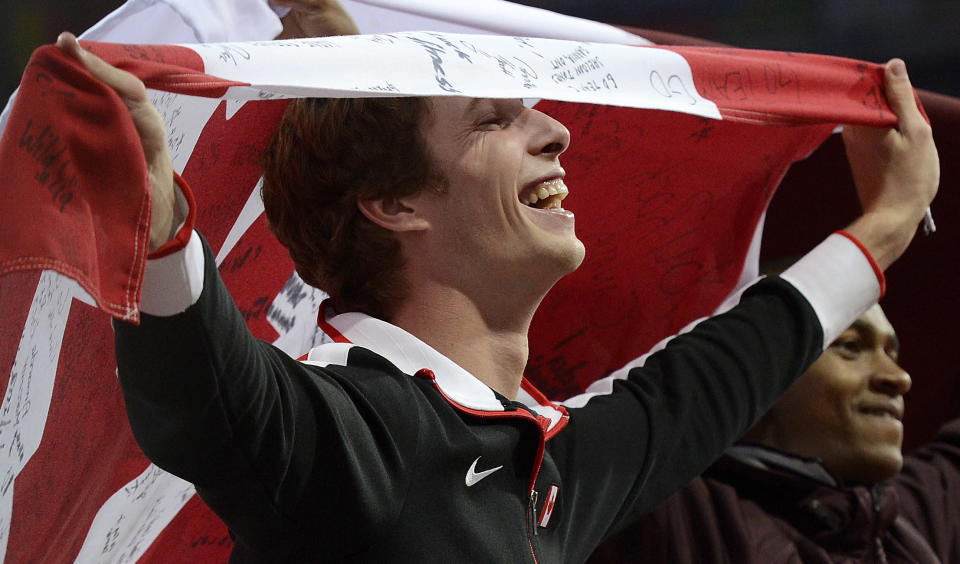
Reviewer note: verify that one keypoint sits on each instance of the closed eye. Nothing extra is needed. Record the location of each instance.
(495, 123)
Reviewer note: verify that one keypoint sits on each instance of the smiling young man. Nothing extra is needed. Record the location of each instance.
(414, 438)
(501, 255)
(847, 410)
(820, 478)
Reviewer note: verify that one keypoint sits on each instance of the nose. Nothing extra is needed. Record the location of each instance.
(549, 138)
(889, 377)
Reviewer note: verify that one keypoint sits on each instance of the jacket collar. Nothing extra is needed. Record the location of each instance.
(410, 355)
(837, 517)
(766, 457)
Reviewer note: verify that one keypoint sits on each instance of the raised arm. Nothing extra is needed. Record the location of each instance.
(306, 18)
(896, 171)
(668, 416)
(234, 415)
(166, 216)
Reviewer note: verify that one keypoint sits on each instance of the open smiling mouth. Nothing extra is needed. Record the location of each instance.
(546, 195)
(886, 412)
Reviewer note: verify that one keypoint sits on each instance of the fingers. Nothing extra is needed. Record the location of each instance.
(896, 171)
(131, 90)
(315, 18)
(900, 96)
(149, 124)
(305, 5)
(129, 87)
(68, 42)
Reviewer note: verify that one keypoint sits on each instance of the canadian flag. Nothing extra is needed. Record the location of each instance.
(676, 154)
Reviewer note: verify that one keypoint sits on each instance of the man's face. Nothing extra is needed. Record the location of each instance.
(847, 408)
(501, 214)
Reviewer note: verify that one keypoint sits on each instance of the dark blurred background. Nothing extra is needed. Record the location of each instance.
(926, 33)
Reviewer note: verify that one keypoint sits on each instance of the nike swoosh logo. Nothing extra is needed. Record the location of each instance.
(473, 476)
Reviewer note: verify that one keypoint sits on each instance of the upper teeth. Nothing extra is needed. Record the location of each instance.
(554, 187)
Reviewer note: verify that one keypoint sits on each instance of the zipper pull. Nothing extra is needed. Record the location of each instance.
(875, 496)
(533, 512)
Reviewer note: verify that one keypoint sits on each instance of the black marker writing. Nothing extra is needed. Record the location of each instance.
(56, 173)
(440, 74)
(232, 54)
(672, 86)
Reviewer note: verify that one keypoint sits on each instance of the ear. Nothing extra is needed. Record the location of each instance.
(393, 214)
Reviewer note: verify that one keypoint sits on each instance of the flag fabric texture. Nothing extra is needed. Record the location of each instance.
(676, 153)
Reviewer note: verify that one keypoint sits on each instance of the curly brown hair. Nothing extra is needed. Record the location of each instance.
(326, 155)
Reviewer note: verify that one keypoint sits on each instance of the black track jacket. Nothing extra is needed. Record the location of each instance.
(383, 450)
